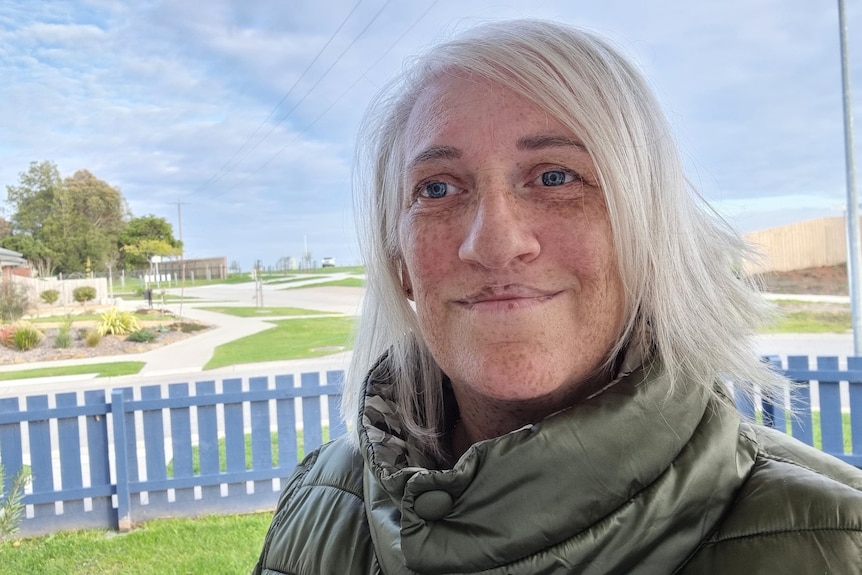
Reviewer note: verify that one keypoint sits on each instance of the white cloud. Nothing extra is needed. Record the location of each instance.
(159, 97)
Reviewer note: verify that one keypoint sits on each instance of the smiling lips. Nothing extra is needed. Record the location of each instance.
(505, 298)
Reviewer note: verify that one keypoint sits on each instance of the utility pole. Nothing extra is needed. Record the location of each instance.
(182, 255)
(854, 244)
(258, 284)
(182, 248)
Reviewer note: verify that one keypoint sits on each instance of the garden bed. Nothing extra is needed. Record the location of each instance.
(167, 330)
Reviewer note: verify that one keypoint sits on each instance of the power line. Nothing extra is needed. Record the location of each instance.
(226, 167)
(308, 92)
(334, 102)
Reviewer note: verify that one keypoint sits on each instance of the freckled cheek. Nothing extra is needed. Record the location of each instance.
(429, 251)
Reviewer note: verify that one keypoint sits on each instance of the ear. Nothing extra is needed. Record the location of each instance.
(406, 283)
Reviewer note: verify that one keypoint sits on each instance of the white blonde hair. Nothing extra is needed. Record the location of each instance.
(687, 303)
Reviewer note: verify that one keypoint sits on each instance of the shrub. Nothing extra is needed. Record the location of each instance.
(118, 322)
(26, 337)
(63, 340)
(64, 335)
(141, 336)
(7, 332)
(11, 508)
(92, 337)
(50, 296)
(13, 301)
(187, 327)
(83, 294)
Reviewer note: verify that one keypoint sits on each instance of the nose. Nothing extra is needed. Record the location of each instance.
(500, 233)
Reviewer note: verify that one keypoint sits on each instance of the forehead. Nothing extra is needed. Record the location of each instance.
(452, 104)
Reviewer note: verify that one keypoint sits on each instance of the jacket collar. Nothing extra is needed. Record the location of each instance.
(629, 481)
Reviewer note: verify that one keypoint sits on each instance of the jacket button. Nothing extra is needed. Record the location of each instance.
(433, 505)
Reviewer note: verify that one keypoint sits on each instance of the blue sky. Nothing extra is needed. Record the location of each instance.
(246, 112)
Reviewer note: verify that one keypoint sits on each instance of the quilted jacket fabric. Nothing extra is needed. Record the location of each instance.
(639, 479)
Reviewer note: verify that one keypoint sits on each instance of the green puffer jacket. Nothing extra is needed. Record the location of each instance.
(634, 480)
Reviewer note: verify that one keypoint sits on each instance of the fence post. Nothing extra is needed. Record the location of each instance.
(124, 500)
(336, 424)
(800, 402)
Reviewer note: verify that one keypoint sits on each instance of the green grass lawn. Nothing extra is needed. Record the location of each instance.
(807, 317)
(288, 339)
(811, 322)
(341, 270)
(113, 369)
(201, 546)
(247, 311)
(346, 282)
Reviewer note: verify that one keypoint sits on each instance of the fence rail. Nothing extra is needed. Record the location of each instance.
(111, 460)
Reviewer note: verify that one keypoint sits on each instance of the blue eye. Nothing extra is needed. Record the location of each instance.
(435, 190)
(555, 178)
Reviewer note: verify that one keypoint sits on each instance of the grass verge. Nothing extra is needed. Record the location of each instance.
(346, 282)
(247, 311)
(112, 369)
(288, 339)
(810, 317)
(201, 546)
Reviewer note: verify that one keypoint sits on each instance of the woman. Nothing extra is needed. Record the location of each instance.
(549, 317)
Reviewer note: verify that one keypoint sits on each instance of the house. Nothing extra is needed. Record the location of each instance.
(10, 261)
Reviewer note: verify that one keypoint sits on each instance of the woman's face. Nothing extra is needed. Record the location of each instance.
(506, 243)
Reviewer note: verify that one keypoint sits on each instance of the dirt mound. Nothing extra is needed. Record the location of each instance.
(830, 280)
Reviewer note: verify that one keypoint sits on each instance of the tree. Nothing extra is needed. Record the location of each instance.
(143, 228)
(5, 228)
(88, 216)
(59, 223)
(37, 252)
(31, 202)
(33, 198)
(145, 249)
(14, 301)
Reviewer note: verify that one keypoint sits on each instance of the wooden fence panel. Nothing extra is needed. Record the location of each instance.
(261, 439)
(234, 437)
(208, 451)
(102, 510)
(800, 403)
(41, 461)
(336, 425)
(831, 423)
(285, 413)
(154, 453)
(182, 466)
(71, 476)
(312, 427)
(855, 393)
(11, 445)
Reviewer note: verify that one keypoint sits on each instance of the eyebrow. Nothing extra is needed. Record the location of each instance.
(529, 143)
(541, 142)
(435, 153)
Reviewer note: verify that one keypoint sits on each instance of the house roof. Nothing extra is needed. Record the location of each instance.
(11, 258)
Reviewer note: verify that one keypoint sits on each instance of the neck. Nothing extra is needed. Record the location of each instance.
(484, 418)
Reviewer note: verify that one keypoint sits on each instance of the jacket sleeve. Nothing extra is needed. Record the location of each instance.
(319, 526)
